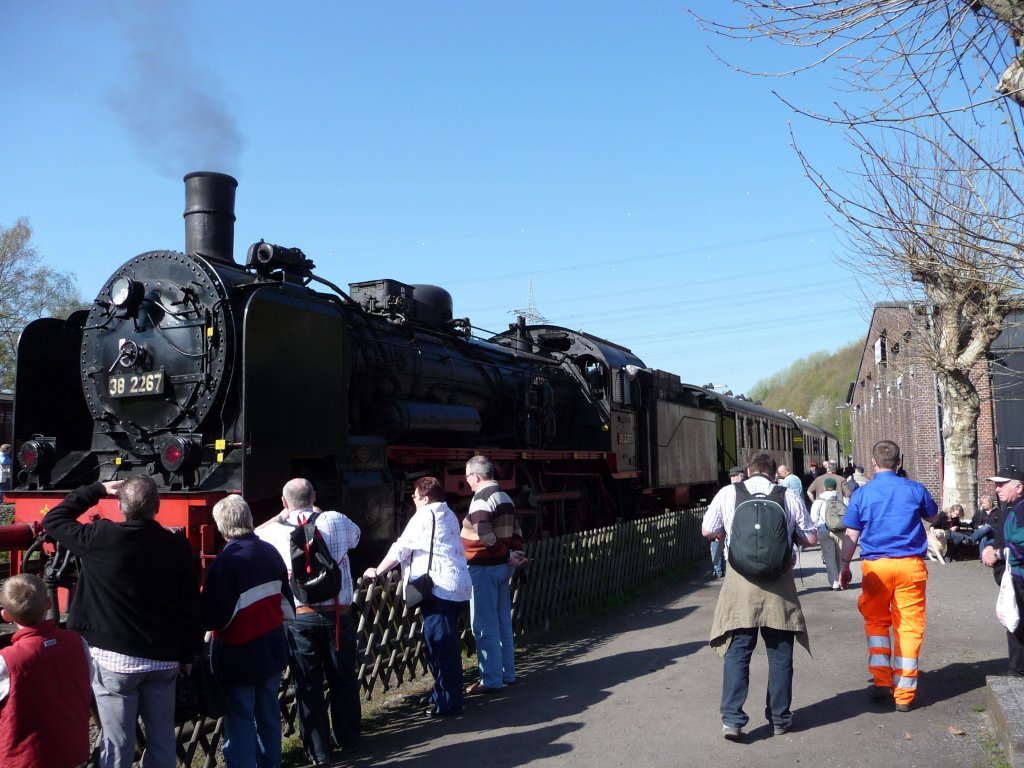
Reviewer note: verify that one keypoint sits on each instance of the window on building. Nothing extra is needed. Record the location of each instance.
(880, 351)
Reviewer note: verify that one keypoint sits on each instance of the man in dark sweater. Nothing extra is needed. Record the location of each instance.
(137, 606)
(246, 600)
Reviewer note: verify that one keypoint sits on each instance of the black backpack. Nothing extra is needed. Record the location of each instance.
(316, 577)
(759, 542)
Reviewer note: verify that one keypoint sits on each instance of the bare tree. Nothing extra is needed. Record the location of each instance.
(933, 214)
(28, 290)
(938, 217)
(910, 53)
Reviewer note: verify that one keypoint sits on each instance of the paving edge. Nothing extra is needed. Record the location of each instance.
(1006, 704)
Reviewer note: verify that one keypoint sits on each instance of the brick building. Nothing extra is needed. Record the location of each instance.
(894, 397)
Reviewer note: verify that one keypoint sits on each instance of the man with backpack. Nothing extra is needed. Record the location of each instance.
(827, 515)
(760, 521)
(322, 639)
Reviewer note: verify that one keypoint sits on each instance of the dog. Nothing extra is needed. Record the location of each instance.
(937, 544)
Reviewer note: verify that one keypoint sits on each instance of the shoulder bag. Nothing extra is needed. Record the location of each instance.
(418, 589)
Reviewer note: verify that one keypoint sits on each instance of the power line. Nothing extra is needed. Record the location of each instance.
(627, 212)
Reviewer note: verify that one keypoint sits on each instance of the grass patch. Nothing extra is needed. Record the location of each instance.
(995, 752)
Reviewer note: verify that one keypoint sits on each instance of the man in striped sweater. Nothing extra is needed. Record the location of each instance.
(493, 543)
(245, 601)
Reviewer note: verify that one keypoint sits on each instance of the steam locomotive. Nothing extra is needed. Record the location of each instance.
(216, 377)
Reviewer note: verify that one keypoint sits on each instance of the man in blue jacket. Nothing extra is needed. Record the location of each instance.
(246, 600)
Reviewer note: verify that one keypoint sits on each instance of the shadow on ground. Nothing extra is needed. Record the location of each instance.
(547, 669)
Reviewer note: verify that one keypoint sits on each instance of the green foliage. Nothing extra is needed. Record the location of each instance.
(814, 386)
(28, 290)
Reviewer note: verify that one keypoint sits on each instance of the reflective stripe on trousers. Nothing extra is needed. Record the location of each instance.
(893, 595)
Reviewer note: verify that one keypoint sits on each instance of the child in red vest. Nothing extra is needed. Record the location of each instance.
(44, 684)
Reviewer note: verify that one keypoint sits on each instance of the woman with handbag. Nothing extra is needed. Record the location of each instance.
(431, 546)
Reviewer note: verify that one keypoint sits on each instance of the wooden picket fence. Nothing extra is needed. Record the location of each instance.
(570, 575)
(566, 577)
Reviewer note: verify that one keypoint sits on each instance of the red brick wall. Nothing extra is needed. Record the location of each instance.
(896, 400)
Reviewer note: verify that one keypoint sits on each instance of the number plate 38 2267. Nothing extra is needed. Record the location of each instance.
(136, 384)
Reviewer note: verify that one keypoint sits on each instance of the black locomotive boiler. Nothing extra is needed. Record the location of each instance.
(214, 376)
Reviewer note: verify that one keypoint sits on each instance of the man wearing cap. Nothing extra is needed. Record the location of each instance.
(736, 475)
(885, 518)
(1010, 490)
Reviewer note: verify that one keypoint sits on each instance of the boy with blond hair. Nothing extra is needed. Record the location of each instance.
(39, 730)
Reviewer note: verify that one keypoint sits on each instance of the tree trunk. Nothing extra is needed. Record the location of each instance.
(961, 408)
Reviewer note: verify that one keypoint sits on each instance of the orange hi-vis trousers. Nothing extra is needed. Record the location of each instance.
(893, 595)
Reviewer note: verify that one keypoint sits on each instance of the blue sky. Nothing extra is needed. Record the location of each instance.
(596, 149)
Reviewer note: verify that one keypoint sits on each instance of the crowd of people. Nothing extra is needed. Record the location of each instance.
(137, 621)
(888, 517)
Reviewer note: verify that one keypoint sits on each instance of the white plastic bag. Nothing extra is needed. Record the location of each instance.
(1006, 604)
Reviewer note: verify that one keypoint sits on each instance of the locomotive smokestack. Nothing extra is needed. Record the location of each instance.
(210, 216)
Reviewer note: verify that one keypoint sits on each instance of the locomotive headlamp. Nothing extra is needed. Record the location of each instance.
(177, 453)
(266, 257)
(37, 455)
(126, 293)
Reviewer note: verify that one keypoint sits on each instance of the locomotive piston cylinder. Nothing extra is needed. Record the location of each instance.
(210, 216)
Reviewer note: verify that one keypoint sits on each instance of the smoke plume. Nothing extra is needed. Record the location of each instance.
(173, 105)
